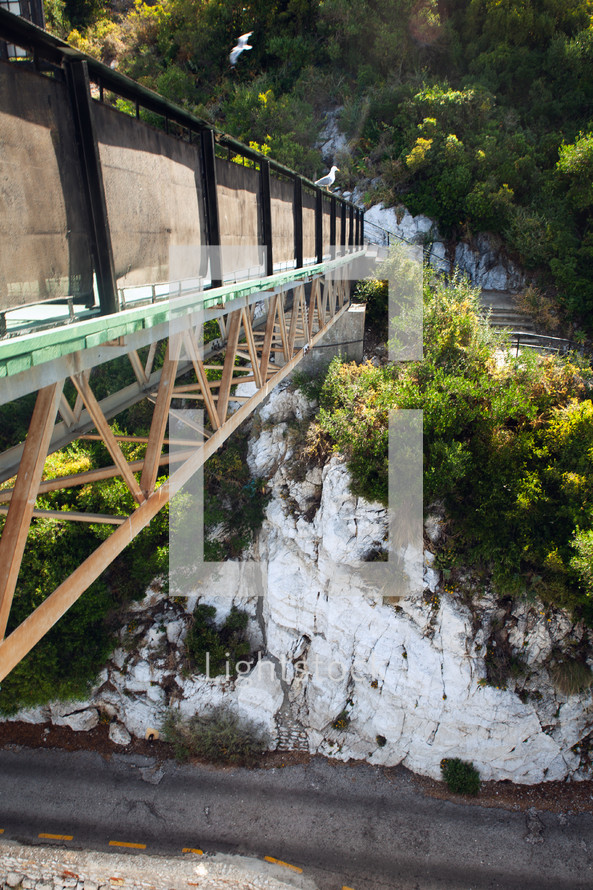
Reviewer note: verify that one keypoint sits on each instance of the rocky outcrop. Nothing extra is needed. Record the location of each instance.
(482, 259)
(337, 668)
(332, 142)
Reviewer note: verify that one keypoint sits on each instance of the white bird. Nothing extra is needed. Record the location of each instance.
(241, 45)
(328, 180)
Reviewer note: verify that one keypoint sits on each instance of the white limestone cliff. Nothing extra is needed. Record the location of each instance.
(481, 259)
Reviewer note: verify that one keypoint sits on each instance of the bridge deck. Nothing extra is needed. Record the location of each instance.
(18, 355)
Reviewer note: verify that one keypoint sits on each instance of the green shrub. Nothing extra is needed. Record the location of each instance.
(342, 721)
(218, 735)
(233, 499)
(461, 776)
(216, 649)
(375, 294)
(582, 561)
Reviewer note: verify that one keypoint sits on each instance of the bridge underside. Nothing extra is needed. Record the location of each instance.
(195, 350)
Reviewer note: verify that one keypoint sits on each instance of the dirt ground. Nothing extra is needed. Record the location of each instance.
(557, 797)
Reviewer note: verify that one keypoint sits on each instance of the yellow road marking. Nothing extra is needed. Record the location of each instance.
(192, 850)
(347, 888)
(126, 844)
(56, 837)
(285, 864)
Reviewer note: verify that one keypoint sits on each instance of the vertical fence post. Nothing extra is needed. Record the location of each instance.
(298, 222)
(266, 206)
(211, 205)
(318, 226)
(343, 235)
(77, 77)
(351, 228)
(362, 228)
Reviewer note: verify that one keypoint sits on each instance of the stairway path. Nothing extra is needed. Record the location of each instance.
(504, 313)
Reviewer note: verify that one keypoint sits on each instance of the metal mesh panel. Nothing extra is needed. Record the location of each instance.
(308, 226)
(326, 218)
(282, 194)
(238, 190)
(44, 243)
(153, 189)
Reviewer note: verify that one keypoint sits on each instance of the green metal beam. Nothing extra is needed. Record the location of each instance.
(20, 354)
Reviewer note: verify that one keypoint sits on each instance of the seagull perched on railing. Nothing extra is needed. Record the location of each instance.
(241, 45)
(328, 180)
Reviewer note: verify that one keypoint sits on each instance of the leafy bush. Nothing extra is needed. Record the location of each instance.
(582, 562)
(217, 736)
(461, 776)
(65, 662)
(233, 500)
(216, 650)
(374, 293)
(342, 721)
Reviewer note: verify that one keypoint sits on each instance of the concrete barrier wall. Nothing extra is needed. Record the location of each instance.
(153, 189)
(44, 240)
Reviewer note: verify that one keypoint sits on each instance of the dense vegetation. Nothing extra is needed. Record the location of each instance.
(476, 112)
(213, 650)
(508, 447)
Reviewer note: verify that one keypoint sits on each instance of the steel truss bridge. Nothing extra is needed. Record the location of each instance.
(123, 234)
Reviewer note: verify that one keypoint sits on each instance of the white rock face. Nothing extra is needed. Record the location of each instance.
(78, 717)
(402, 223)
(486, 266)
(260, 695)
(332, 141)
(482, 260)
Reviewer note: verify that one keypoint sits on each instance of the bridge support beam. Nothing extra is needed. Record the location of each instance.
(266, 206)
(298, 222)
(22, 504)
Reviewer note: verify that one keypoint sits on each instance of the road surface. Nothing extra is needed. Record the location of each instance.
(344, 825)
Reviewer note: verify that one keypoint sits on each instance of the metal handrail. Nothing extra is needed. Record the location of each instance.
(564, 344)
(387, 236)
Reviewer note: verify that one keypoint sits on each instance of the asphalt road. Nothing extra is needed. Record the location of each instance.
(345, 826)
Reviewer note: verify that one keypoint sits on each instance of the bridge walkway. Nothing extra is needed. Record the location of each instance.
(125, 222)
(263, 335)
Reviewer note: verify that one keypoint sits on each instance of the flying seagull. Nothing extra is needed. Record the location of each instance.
(241, 45)
(328, 180)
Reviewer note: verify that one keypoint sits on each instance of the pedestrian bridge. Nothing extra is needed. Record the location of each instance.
(132, 232)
